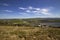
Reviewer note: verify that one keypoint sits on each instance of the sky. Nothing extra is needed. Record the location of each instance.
(29, 9)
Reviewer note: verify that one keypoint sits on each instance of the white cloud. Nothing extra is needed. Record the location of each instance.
(30, 7)
(7, 10)
(34, 11)
(4, 4)
(22, 8)
(45, 11)
(38, 9)
(28, 11)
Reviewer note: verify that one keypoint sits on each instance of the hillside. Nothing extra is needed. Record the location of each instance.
(28, 22)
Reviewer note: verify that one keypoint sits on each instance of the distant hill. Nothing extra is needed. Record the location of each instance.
(29, 21)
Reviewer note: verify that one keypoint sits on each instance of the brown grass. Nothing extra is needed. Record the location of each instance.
(28, 33)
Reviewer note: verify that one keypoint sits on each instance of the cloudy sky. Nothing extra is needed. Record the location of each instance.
(29, 9)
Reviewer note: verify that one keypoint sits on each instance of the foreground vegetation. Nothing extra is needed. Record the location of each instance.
(28, 29)
(28, 33)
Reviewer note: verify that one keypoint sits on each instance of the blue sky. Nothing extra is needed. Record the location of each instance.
(29, 9)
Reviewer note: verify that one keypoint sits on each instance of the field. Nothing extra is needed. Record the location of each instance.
(28, 33)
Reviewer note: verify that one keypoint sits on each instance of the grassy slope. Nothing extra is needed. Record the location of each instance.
(28, 33)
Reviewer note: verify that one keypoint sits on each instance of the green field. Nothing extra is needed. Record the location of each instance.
(28, 33)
